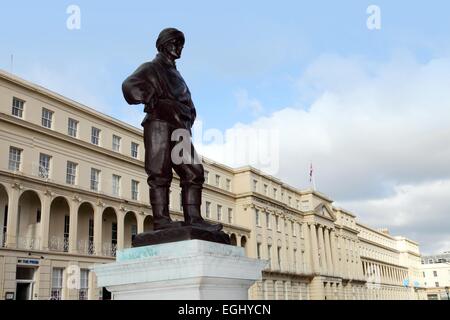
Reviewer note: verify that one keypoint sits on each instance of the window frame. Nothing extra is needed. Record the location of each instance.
(116, 143)
(95, 139)
(20, 109)
(15, 159)
(72, 131)
(47, 122)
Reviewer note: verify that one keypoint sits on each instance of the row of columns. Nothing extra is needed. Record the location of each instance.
(384, 273)
(46, 199)
(323, 253)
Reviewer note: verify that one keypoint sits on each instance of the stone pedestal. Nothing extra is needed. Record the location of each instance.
(185, 270)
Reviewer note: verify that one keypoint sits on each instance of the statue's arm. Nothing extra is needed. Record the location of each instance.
(138, 87)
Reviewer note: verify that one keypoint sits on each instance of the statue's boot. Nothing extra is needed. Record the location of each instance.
(159, 199)
(191, 200)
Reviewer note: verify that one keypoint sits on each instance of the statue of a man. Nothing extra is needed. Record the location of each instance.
(168, 104)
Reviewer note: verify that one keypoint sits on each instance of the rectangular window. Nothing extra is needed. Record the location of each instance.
(436, 284)
(116, 185)
(435, 273)
(15, 156)
(298, 204)
(66, 233)
(84, 284)
(95, 179)
(279, 256)
(208, 209)
(114, 233)
(269, 254)
(294, 229)
(17, 107)
(277, 222)
(258, 220)
(219, 212)
(134, 150)
(295, 259)
(38, 215)
(91, 231)
(134, 190)
(95, 136)
(44, 166)
(206, 176)
(71, 173)
(266, 189)
(47, 118)
(255, 185)
(228, 184)
(116, 143)
(133, 231)
(217, 180)
(268, 224)
(57, 280)
(258, 250)
(72, 128)
(230, 215)
(275, 193)
(289, 200)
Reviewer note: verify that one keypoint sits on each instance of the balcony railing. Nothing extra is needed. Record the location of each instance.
(28, 243)
(3, 240)
(40, 171)
(58, 244)
(86, 247)
(109, 249)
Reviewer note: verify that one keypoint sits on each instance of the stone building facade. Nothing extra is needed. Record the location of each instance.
(73, 191)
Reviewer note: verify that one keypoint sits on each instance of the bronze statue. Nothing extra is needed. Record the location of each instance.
(169, 107)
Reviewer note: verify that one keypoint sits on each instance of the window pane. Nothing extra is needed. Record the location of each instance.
(17, 107)
(14, 159)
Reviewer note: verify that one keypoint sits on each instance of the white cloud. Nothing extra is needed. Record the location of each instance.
(422, 211)
(244, 102)
(371, 130)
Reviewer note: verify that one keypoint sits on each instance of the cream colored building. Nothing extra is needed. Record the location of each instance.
(436, 273)
(73, 190)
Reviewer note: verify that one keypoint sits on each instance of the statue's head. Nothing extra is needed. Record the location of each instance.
(170, 42)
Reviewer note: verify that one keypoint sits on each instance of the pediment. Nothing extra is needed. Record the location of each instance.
(325, 211)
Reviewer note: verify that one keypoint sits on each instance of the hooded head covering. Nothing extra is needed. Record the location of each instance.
(167, 35)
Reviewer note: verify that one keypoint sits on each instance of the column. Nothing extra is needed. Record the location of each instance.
(13, 205)
(315, 250)
(120, 229)
(73, 226)
(238, 240)
(334, 253)
(342, 265)
(328, 251)
(355, 260)
(45, 220)
(323, 257)
(98, 225)
(308, 250)
(140, 223)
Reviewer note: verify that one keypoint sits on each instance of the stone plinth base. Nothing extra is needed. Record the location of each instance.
(185, 270)
(179, 234)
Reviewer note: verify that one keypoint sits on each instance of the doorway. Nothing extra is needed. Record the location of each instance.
(24, 291)
(24, 283)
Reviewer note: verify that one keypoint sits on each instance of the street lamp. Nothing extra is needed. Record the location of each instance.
(447, 292)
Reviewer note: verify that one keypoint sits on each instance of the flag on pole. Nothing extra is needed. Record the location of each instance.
(311, 176)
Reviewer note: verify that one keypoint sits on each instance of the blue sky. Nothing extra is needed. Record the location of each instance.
(369, 108)
(260, 47)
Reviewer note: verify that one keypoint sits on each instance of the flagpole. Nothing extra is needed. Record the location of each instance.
(312, 180)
